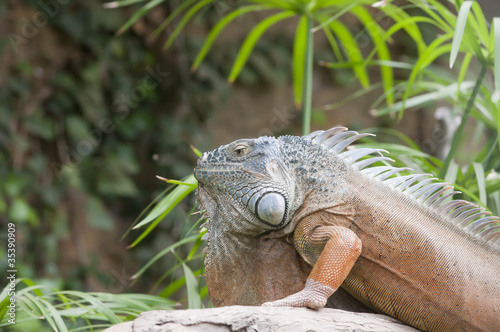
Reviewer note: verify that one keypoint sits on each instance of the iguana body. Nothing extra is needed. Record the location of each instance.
(294, 218)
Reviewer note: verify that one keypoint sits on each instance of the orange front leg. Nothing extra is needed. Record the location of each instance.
(332, 250)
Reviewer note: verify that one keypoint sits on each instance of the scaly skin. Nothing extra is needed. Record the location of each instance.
(291, 222)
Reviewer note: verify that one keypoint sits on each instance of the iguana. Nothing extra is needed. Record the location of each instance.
(291, 219)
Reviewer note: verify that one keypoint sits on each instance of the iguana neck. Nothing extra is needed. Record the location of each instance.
(238, 267)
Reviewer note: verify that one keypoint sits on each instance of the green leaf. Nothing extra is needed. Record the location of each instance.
(162, 253)
(138, 14)
(451, 174)
(393, 64)
(333, 44)
(182, 6)
(469, 193)
(355, 96)
(393, 132)
(459, 31)
(163, 208)
(122, 3)
(252, 39)
(423, 99)
(185, 19)
(406, 21)
(396, 148)
(479, 170)
(308, 79)
(299, 59)
(170, 201)
(433, 13)
(327, 20)
(433, 51)
(194, 300)
(38, 306)
(480, 25)
(100, 307)
(375, 31)
(153, 202)
(20, 211)
(496, 68)
(218, 28)
(196, 151)
(495, 197)
(352, 50)
(463, 70)
(56, 321)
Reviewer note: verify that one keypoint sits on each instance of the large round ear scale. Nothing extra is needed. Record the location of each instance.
(271, 209)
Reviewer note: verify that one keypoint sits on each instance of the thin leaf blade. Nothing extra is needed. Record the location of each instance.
(481, 182)
(185, 19)
(496, 69)
(252, 39)
(352, 50)
(138, 14)
(459, 31)
(216, 30)
(194, 300)
(299, 56)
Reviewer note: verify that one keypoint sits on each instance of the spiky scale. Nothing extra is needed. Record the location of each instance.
(462, 216)
(426, 194)
(313, 135)
(322, 137)
(332, 141)
(489, 230)
(434, 204)
(398, 180)
(364, 163)
(493, 234)
(353, 155)
(376, 170)
(413, 189)
(412, 180)
(477, 225)
(393, 171)
(469, 219)
(337, 148)
(447, 207)
(461, 209)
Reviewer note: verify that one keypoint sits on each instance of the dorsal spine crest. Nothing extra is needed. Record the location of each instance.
(422, 187)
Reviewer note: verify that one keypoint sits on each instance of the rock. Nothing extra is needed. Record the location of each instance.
(259, 319)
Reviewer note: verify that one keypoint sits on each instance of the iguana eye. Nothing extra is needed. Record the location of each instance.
(240, 150)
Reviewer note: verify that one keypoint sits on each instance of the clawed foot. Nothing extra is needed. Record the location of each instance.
(314, 296)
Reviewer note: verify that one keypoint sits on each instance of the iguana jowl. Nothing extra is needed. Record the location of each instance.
(291, 219)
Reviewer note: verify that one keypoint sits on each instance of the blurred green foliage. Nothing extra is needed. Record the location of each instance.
(88, 119)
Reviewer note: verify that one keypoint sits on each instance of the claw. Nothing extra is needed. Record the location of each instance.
(314, 296)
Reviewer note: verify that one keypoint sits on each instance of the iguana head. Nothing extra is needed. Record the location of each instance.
(247, 193)
(248, 181)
